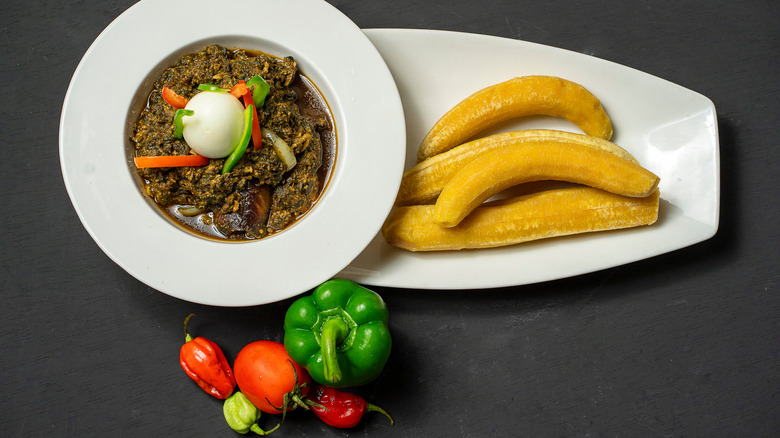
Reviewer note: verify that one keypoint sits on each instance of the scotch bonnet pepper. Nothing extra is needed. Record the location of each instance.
(204, 362)
(341, 409)
(241, 415)
(339, 334)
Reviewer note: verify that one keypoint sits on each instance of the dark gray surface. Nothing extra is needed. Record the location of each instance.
(685, 344)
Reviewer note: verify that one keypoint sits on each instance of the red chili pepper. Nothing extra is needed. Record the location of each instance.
(205, 363)
(239, 89)
(257, 137)
(174, 99)
(340, 409)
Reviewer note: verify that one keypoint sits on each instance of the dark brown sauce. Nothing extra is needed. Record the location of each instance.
(311, 104)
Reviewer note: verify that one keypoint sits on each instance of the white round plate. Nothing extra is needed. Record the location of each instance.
(108, 89)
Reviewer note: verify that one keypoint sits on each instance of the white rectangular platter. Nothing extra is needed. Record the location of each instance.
(671, 130)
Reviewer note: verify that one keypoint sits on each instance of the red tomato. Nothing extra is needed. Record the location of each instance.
(264, 370)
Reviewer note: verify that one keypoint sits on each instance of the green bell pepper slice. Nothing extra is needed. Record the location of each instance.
(261, 90)
(178, 124)
(339, 334)
(211, 87)
(243, 142)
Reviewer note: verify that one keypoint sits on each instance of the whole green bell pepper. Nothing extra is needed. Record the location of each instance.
(339, 334)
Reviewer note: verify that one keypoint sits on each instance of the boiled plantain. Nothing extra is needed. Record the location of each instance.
(536, 216)
(507, 166)
(517, 97)
(422, 183)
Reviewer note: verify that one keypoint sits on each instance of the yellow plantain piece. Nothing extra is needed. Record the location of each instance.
(506, 167)
(536, 216)
(517, 97)
(422, 183)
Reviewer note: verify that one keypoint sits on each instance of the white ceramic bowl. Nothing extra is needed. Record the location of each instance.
(108, 89)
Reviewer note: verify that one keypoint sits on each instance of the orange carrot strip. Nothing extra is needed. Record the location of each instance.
(171, 161)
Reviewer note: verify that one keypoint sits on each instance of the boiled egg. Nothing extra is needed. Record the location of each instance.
(216, 125)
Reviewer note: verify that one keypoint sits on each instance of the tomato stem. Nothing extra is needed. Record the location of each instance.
(295, 395)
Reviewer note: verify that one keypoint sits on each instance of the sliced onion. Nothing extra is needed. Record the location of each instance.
(283, 150)
(189, 210)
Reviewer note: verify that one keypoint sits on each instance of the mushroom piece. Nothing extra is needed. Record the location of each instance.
(251, 216)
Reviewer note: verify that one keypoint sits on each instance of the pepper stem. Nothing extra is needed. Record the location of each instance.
(375, 408)
(334, 331)
(258, 430)
(187, 336)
